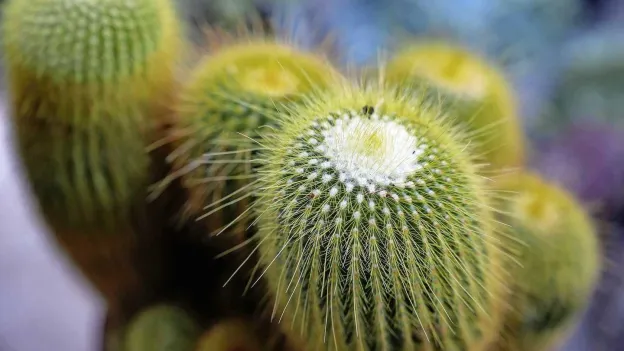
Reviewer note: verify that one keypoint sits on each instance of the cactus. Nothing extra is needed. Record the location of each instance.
(83, 78)
(374, 230)
(474, 90)
(162, 328)
(231, 334)
(560, 263)
(86, 79)
(230, 94)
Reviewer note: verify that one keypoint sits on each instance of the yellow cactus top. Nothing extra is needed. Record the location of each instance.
(463, 77)
(264, 68)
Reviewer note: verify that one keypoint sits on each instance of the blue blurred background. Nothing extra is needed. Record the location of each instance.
(565, 59)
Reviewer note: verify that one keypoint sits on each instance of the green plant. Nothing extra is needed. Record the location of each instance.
(374, 230)
(559, 259)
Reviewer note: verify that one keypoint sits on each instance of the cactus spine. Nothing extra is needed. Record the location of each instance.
(86, 78)
(374, 230)
(230, 94)
(474, 90)
(560, 263)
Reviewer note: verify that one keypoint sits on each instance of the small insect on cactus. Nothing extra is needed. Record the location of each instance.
(86, 78)
(232, 92)
(474, 90)
(559, 263)
(228, 335)
(374, 231)
(161, 328)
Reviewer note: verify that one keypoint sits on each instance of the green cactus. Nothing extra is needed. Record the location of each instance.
(230, 94)
(474, 90)
(559, 263)
(85, 79)
(162, 328)
(88, 81)
(374, 230)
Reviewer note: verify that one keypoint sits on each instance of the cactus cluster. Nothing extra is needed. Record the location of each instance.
(371, 220)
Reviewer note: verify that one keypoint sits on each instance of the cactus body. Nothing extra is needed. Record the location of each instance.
(162, 328)
(475, 92)
(227, 335)
(229, 95)
(373, 230)
(560, 264)
(87, 79)
(84, 77)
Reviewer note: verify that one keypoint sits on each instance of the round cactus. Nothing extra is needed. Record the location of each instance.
(559, 259)
(475, 91)
(374, 229)
(230, 94)
(84, 78)
(162, 328)
(228, 335)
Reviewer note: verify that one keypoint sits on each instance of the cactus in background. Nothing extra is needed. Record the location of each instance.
(476, 92)
(560, 264)
(82, 75)
(374, 229)
(231, 334)
(86, 79)
(230, 94)
(162, 328)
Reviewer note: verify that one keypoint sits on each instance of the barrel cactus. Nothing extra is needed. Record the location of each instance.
(374, 228)
(161, 328)
(231, 93)
(83, 78)
(86, 78)
(559, 263)
(474, 90)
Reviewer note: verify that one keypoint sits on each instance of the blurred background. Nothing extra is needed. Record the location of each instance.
(565, 59)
